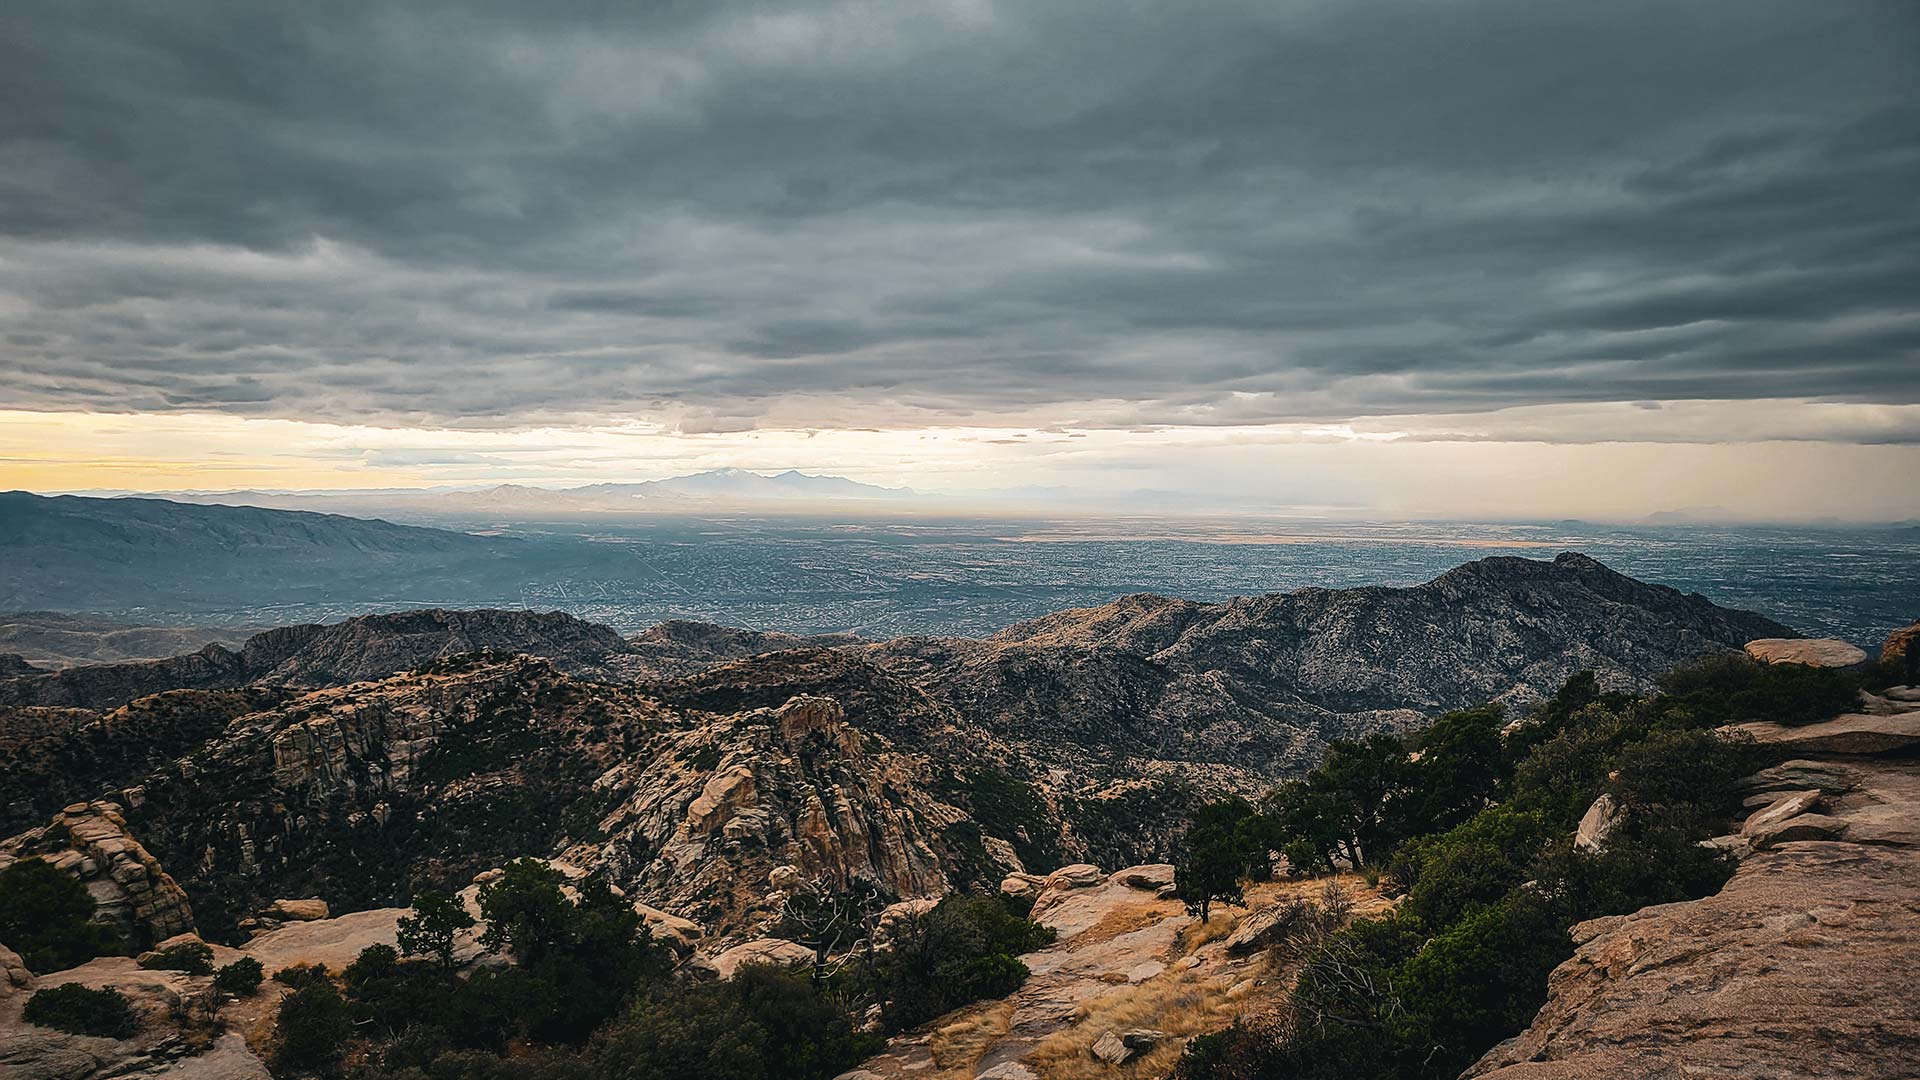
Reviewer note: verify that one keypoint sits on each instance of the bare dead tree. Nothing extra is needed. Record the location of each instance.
(836, 923)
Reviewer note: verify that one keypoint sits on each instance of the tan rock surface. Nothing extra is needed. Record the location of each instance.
(300, 910)
(762, 951)
(1900, 653)
(1814, 652)
(1128, 962)
(178, 1035)
(333, 942)
(1853, 733)
(128, 885)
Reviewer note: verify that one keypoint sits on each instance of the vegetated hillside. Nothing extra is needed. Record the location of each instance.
(428, 752)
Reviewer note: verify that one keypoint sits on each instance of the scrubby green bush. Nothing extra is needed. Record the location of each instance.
(301, 976)
(1476, 863)
(430, 930)
(80, 1010)
(1221, 848)
(46, 917)
(314, 1026)
(1733, 688)
(763, 1024)
(963, 950)
(192, 957)
(240, 978)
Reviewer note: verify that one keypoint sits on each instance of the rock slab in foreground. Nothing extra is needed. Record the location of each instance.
(1801, 966)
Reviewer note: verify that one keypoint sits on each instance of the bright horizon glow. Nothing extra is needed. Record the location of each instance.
(1466, 468)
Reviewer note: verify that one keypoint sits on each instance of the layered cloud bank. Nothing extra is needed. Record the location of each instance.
(527, 239)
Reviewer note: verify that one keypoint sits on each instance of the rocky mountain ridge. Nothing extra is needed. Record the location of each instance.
(312, 655)
(396, 752)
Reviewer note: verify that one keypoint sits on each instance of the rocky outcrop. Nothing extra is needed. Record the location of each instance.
(128, 885)
(1853, 733)
(1127, 980)
(1597, 824)
(14, 976)
(770, 951)
(724, 811)
(680, 647)
(1800, 966)
(1811, 652)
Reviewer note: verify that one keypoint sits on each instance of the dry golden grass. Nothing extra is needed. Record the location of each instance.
(1195, 934)
(958, 1044)
(1178, 1003)
(1121, 920)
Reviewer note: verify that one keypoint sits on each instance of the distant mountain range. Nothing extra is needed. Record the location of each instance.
(713, 489)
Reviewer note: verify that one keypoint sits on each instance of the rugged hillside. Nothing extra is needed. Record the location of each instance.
(50, 757)
(401, 751)
(1496, 629)
(366, 647)
(365, 793)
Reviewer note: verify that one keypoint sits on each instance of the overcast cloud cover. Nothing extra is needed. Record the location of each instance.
(1099, 214)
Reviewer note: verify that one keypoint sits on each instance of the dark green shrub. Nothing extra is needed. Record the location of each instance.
(1220, 848)
(240, 978)
(430, 930)
(1685, 780)
(1651, 866)
(1733, 688)
(1481, 980)
(763, 1024)
(314, 1026)
(192, 957)
(78, 1010)
(301, 976)
(1475, 863)
(961, 951)
(46, 917)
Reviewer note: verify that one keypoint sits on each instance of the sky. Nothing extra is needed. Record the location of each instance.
(1490, 258)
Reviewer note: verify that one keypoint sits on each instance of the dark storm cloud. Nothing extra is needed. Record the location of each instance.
(1226, 212)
